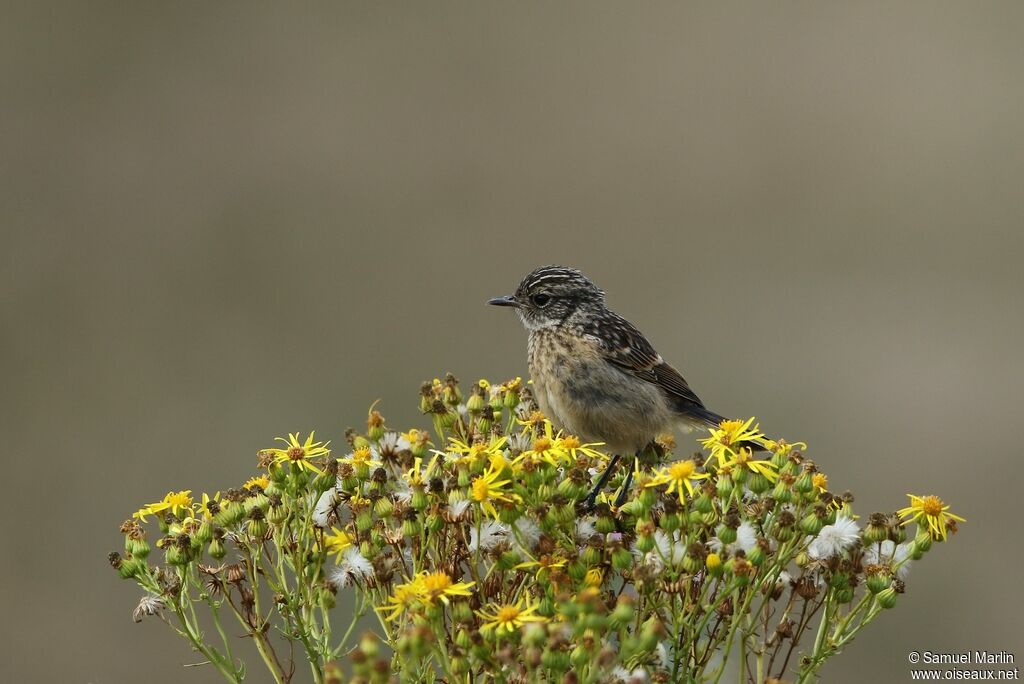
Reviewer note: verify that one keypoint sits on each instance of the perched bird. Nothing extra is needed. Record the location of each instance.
(594, 374)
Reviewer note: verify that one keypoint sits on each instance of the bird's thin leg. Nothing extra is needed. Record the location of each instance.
(601, 482)
(621, 498)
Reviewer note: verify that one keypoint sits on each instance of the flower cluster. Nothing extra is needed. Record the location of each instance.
(478, 554)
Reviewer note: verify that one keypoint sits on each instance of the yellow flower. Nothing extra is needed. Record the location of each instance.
(713, 561)
(820, 481)
(508, 616)
(362, 456)
(438, 585)
(175, 502)
(679, 476)
(487, 489)
(298, 452)
(544, 565)
(726, 440)
(473, 453)
(204, 507)
(261, 481)
(417, 475)
(533, 421)
(514, 385)
(782, 447)
(932, 513)
(403, 597)
(594, 577)
(744, 458)
(544, 448)
(334, 544)
(570, 445)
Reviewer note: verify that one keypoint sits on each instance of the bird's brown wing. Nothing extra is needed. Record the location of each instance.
(626, 348)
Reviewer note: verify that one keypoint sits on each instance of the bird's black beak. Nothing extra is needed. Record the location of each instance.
(507, 300)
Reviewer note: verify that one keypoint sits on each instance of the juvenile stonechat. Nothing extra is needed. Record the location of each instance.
(594, 374)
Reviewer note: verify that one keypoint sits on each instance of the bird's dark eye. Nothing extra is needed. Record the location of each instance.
(541, 299)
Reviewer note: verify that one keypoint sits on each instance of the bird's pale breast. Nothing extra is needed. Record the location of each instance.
(589, 397)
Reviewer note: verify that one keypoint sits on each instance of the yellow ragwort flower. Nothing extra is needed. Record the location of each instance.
(204, 507)
(487, 488)
(725, 440)
(363, 456)
(334, 544)
(417, 475)
(544, 565)
(508, 617)
(177, 503)
(820, 481)
(476, 452)
(261, 481)
(545, 448)
(299, 453)
(744, 459)
(401, 599)
(679, 477)
(438, 585)
(930, 512)
(571, 446)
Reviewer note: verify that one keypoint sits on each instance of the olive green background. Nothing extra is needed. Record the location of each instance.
(226, 221)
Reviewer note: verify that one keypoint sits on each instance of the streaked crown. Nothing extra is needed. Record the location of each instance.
(554, 295)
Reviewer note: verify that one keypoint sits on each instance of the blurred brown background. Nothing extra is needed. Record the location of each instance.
(225, 221)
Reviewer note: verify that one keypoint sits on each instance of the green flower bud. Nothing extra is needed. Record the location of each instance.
(923, 541)
(475, 403)
(756, 555)
(703, 504)
(434, 522)
(878, 581)
(364, 520)
(724, 487)
(411, 527)
(804, 484)
(131, 567)
(758, 483)
(844, 595)
(886, 598)
(174, 555)
(511, 399)
(782, 493)
(622, 559)
(555, 660)
(139, 548)
(509, 560)
(217, 550)
(230, 514)
(605, 524)
(590, 556)
(462, 639)
(277, 515)
(839, 580)
(726, 533)
(258, 529)
(875, 533)
(811, 524)
(623, 613)
(461, 612)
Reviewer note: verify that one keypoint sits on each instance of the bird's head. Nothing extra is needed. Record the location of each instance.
(552, 295)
